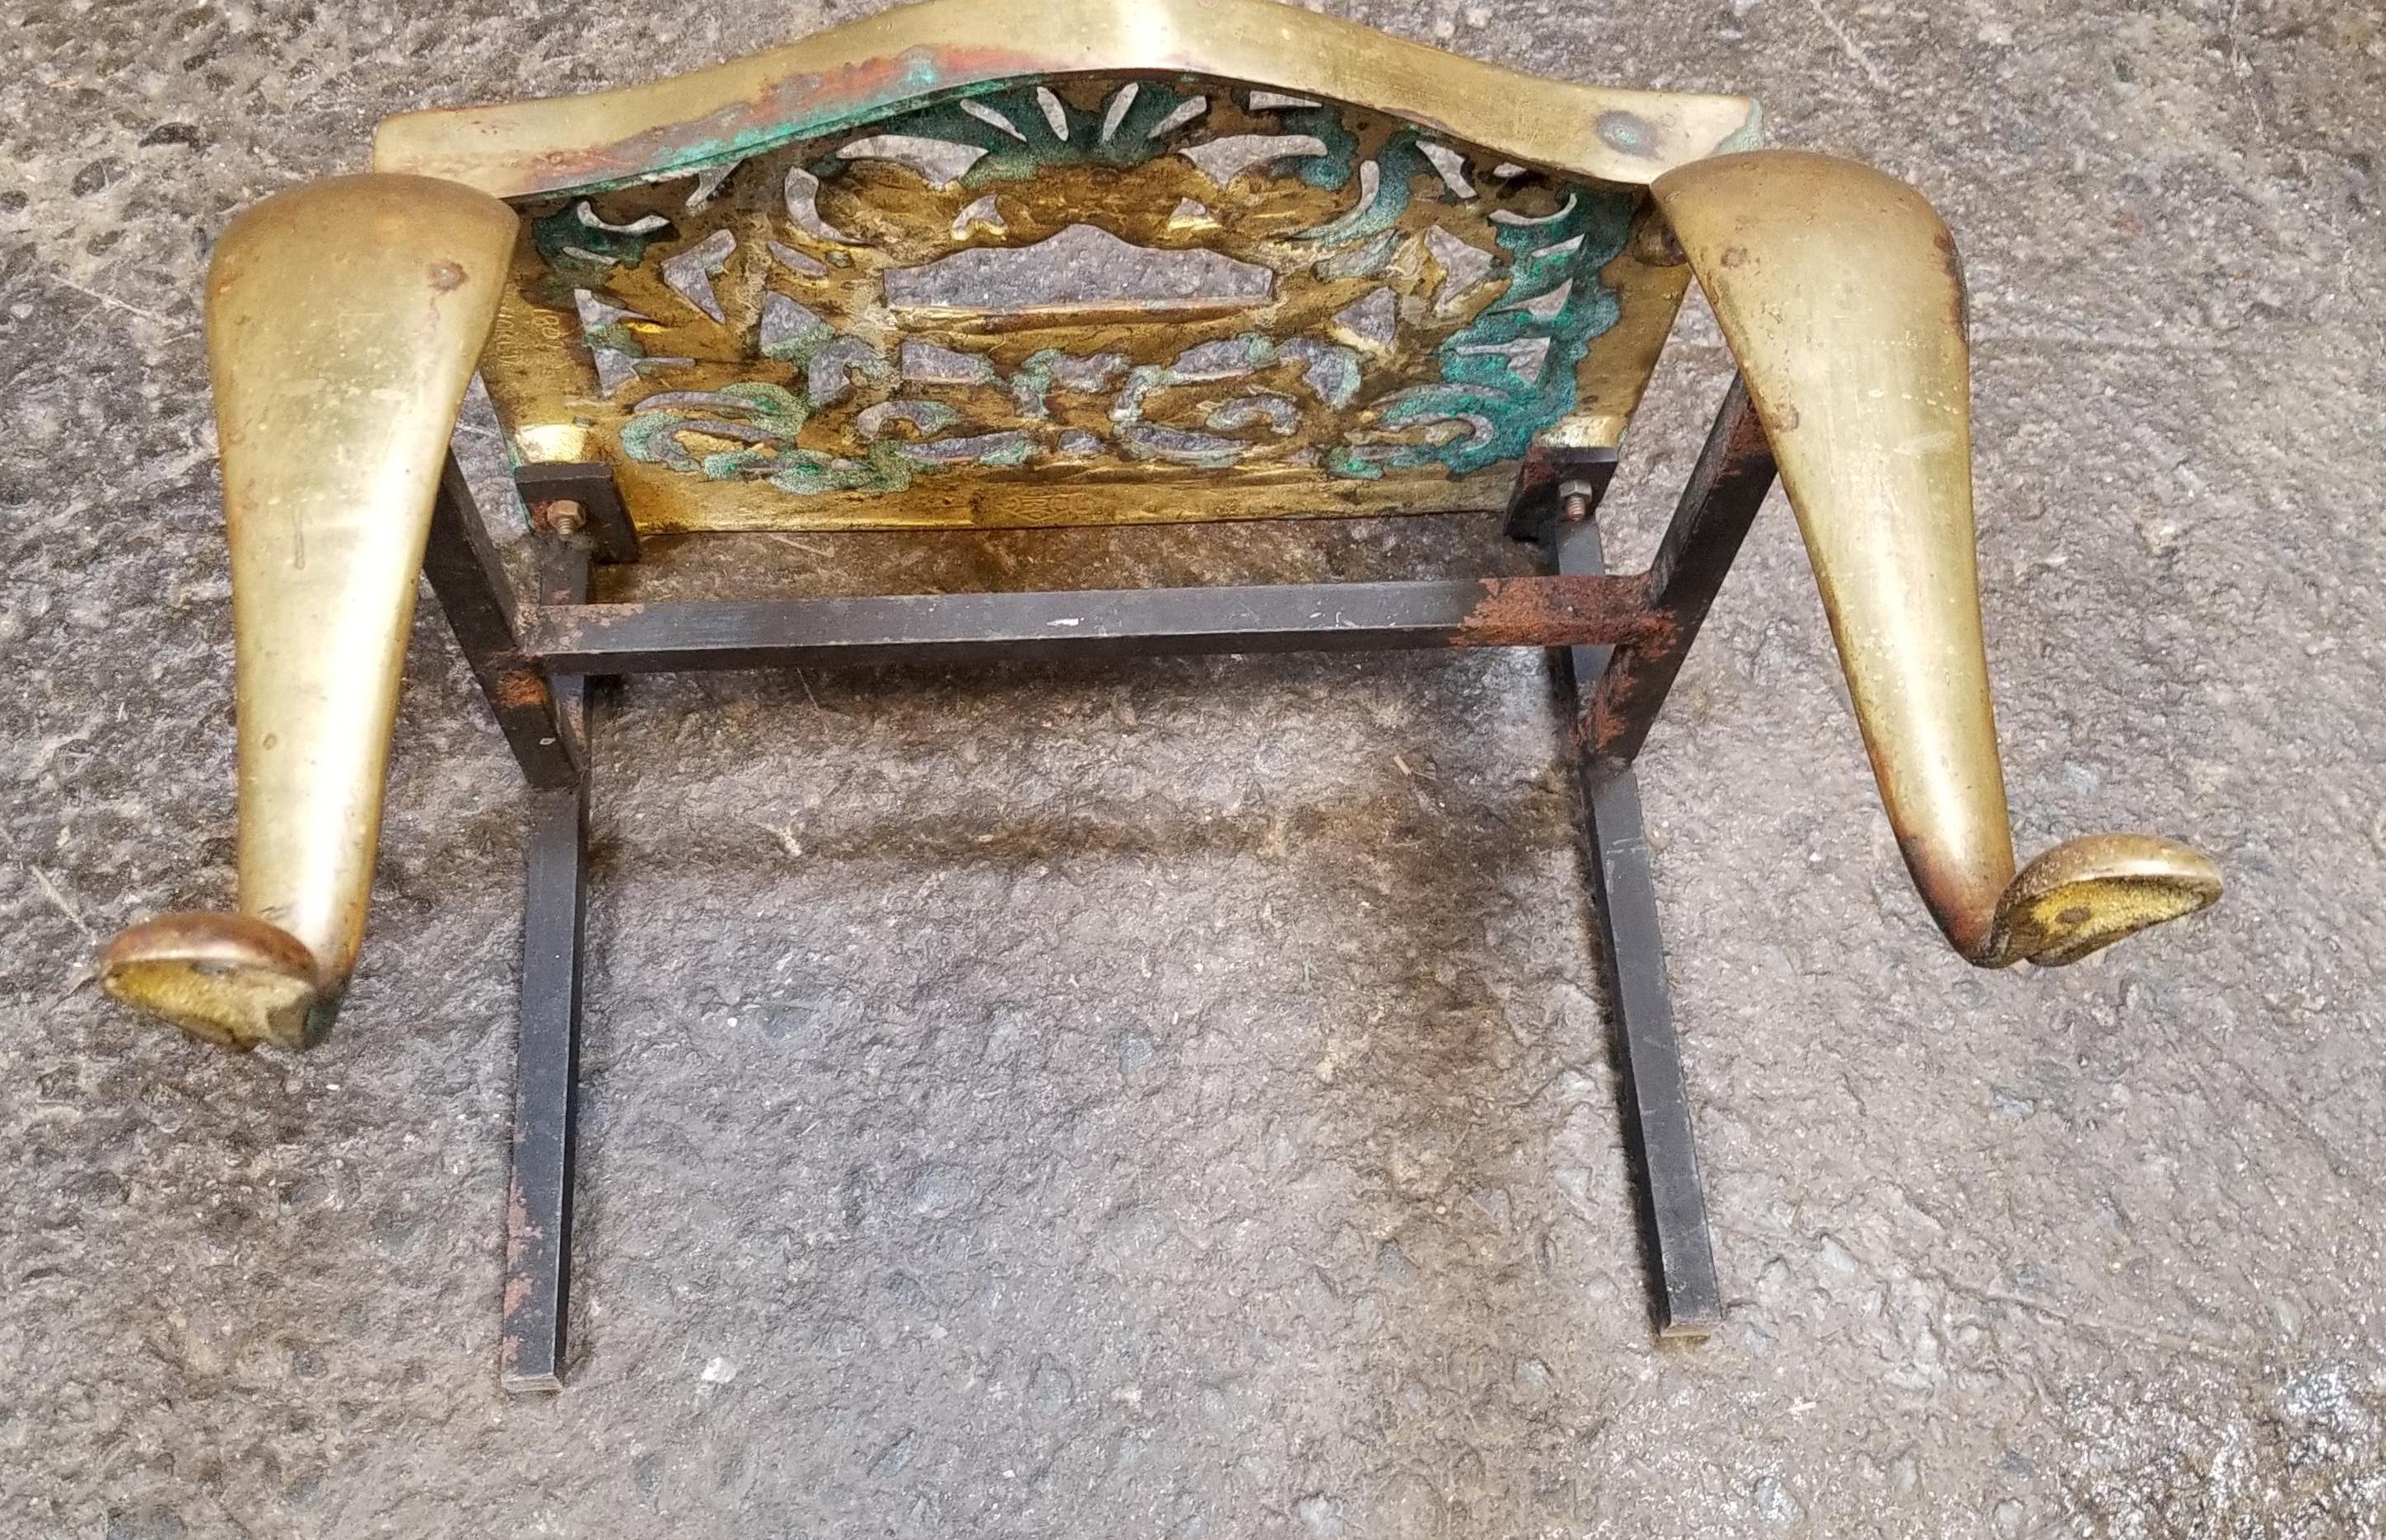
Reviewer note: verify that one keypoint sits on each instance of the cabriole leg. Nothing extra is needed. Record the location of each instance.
(344, 320)
(1839, 292)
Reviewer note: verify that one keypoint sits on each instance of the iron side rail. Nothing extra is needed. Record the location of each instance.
(949, 628)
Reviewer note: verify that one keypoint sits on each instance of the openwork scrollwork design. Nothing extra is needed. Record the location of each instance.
(1135, 279)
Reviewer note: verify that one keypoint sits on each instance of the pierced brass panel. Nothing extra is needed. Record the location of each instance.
(1082, 299)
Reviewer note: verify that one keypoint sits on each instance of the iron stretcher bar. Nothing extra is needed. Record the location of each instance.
(949, 628)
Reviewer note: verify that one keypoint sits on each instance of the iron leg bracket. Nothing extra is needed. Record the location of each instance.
(544, 715)
(546, 1071)
(532, 655)
(1613, 693)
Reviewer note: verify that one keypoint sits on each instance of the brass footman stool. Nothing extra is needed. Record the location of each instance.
(1341, 274)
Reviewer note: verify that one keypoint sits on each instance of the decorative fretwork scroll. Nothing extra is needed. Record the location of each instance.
(1081, 282)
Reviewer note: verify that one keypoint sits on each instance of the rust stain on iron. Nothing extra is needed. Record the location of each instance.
(518, 688)
(562, 633)
(1555, 612)
(1538, 473)
(1538, 476)
(518, 1227)
(1602, 728)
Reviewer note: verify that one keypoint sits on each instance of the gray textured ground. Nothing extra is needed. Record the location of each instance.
(1173, 1100)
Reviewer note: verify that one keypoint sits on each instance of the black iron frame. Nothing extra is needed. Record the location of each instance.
(1624, 637)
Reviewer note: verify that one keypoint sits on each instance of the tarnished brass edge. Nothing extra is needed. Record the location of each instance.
(2085, 893)
(228, 979)
(848, 74)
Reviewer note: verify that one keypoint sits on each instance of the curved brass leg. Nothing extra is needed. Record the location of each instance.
(344, 320)
(1841, 295)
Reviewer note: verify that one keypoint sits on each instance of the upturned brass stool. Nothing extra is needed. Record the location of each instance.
(966, 264)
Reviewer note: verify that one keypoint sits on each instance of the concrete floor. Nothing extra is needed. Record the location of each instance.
(1173, 1100)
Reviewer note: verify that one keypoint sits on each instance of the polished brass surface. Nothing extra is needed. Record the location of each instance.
(762, 346)
(1841, 295)
(343, 319)
(850, 73)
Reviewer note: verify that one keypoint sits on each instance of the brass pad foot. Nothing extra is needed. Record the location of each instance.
(2085, 893)
(227, 979)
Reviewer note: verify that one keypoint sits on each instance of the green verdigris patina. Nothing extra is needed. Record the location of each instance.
(1425, 368)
